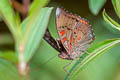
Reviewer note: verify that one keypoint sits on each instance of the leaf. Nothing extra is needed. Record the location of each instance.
(110, 21)
(8, 71)
(116, 5)
(33, 30)
(5, 39)
(9, 55)
(8, 15)
(96, 5)
(36, 3)
(40, 58)
(52, 25)
(94, 51)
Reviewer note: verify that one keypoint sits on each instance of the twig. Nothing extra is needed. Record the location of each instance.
(21, 8)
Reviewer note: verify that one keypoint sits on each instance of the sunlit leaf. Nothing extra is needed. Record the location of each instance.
(33, 30)
(9, 55)
(36, 3)
(52, 25)
(8, 15)
(110, 21)
(94, 51)
(96, 5)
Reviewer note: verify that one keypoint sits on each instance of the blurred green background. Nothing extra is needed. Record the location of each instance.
(103, 67)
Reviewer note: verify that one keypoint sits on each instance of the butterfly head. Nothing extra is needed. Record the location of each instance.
(64, 55)
(69, 56)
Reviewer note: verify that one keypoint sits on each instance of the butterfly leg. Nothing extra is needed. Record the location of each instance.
(57, 41)
(66, 67)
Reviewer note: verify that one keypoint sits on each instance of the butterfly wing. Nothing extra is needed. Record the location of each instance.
(82, 35)
(75, 33)
(65, 24)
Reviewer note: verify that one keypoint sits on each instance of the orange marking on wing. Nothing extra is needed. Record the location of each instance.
(75, 31)
(86, 22)
(70, 45)
(64, 39)
(78, 38)
(81, 20)
(62, 32)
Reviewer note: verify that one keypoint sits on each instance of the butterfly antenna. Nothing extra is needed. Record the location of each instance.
(50, 59)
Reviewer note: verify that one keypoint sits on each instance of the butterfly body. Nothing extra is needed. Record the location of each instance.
(75, 34)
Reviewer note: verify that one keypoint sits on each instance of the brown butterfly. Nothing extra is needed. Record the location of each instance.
(75, 34)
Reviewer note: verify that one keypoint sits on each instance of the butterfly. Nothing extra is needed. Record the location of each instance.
(75, 34)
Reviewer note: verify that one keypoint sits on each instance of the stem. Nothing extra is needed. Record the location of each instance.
(18, 7)
(26, 6)
(23, 67)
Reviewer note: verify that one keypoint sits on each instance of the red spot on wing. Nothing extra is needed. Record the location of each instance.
(70, 44)
(62, 32)
(64, 39)
(78, 38)
(83, 21)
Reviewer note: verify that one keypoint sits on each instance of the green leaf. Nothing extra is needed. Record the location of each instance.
(45, 54)
(52, 25)
(116, 5)
(96, 5)
(36, 3)
(8, 71)
(9, 17)
(110, 21)
(94, 51)
(33, 30)
(9, 55)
